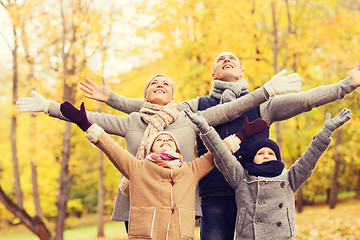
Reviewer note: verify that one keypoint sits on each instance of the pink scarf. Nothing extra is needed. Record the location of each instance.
(167, 159)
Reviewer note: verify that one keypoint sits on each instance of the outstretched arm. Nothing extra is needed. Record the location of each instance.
(279, 84)
(222, 150)
(120, 158)
(103, 93)
(303, 168)
(110, 123)
(284, 107)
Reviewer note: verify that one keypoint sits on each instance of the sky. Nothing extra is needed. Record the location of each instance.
(115, 65)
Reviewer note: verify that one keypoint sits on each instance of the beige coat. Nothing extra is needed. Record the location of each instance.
(161, 199)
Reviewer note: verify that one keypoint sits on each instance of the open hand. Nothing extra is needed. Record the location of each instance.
(94, 91)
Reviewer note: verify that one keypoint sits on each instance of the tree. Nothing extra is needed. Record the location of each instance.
(13, 10)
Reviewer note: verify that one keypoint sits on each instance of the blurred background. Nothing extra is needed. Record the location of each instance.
(52, 180)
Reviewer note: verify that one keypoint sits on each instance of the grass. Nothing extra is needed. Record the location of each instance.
(316, 222)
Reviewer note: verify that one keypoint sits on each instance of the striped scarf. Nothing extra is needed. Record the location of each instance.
(158, 118)
(167, 159)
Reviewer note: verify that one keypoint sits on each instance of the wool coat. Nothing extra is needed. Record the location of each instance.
(161, 199)
(266, 205)
(132, 128)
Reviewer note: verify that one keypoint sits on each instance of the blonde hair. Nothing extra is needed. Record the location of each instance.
(159, 75)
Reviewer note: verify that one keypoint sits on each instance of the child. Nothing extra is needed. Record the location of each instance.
(162, 186)
(264, 189)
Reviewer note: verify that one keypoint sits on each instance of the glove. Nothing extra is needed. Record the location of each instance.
(280, 84)
(36, 103)
(333, 123)
(250, 129)
(197, 119)
(75, 115)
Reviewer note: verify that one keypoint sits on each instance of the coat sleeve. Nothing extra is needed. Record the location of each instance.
(223, 113)
(287, 106)
(304, 167)
(120, 158)
(124, 104)
(112, 124)
(225, 161)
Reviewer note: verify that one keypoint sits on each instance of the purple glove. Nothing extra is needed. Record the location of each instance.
(250, 129)
(75, 115)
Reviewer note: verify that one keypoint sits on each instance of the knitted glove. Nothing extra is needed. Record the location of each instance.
(75, 115)
(197, 119)
(333, 123)
(280, 84)
(250, 129)
(36, 103)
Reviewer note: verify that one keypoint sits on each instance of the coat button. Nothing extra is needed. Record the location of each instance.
(282, 184)
(281, 205)
(257, 221)
(278, 224)
(261, 202)
(262, 183)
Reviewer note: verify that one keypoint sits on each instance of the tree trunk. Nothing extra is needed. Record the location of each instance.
(101, 197)
(275, 48)
(300, 201)
(64, 188)
(333, 190)
(357, 196)
(35, 224)
(18, 192)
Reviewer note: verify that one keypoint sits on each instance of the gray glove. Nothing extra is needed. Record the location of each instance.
(197, 119)
(333, 123)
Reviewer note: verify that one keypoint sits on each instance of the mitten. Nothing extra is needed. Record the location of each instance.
(36, 103)
(125, 186)
(280, 84)
(333, 123)
(197, 119)
(250, 129)
(75, 115)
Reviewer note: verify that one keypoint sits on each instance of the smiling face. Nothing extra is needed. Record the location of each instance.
(227, 67)
(265, 154)
(159, 90)
(162, 143)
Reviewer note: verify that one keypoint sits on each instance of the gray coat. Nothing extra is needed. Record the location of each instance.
(277, 108)
(132, 128)
(265, 205)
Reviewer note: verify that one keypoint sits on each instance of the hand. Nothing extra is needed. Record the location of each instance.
(250, 129)
(97, 92)
(355, 75)
(75, 115)
(197, 119)
(280, 84)
(340, 119)
(36, 103)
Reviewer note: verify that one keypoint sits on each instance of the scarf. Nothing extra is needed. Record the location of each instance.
(266, 169)
(167, 159)
(158, 118)
(228, 91)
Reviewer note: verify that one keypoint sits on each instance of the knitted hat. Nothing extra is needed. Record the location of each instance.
(152, 138)
(159, 75)
(260, 143)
